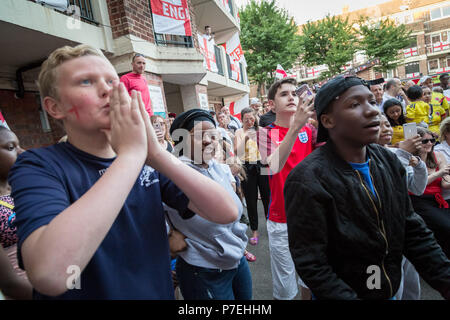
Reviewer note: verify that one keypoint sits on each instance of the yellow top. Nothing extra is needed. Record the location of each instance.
(419, 111)
(438, 99)
(398, 134)
(251, 152)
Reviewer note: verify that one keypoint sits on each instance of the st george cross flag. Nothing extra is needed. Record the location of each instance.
(171, 17)
(207, 49)
(237, 106)
(3, 122)
(280, 73)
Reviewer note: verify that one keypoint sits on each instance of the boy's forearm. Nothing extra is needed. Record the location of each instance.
(207, 198)
(75, 234)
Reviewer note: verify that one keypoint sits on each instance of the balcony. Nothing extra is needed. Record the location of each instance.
(438, 48)
(219, 15)
(79, 8)
(171, 40)
(30, 31)
(223, 80)
(410, 52)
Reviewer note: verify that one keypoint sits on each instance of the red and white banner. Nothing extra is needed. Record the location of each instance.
(410, 52)
(226, 4)
(440, 46)
(3, 121)
(207, 49)
(413, 75)
(235, 70)
(237, 106)
(280, 73)
(171, 17)
(234, 49)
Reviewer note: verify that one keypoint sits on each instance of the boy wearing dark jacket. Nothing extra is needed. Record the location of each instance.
(349, 216)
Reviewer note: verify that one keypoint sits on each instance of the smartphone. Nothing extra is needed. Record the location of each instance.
(410, 130)
(157, 125)
(302, 89)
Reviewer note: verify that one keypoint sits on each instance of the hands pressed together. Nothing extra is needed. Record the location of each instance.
(131, 132)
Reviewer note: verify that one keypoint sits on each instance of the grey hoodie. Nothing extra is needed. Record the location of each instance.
(212, 245)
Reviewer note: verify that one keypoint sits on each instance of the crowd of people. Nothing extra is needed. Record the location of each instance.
(135, 206)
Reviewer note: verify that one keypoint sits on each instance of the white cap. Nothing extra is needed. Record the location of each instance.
(254, 101)
(423, 79)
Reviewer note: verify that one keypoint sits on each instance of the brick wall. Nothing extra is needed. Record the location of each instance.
(438, 25)
(131, 17)
(134, 17)
(22, 117)
(193, 25)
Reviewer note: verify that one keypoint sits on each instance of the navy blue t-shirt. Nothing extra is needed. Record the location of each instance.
(133, 260)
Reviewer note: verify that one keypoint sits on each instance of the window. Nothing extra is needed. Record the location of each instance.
(412, 67)
(412, 42)
(435, 38)
(435, 13)
(446, 11)
(408, 19)
(433, 64)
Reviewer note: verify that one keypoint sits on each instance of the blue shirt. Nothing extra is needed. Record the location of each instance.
(132, 262)
(363, 169)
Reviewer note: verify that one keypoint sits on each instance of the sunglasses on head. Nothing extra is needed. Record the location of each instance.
(425, 141)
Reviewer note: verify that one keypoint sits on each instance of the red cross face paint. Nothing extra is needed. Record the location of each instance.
(84, 87)
(74, 110)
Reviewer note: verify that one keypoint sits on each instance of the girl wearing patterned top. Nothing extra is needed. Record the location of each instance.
(13, 281)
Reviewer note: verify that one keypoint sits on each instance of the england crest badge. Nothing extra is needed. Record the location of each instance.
(303, 137)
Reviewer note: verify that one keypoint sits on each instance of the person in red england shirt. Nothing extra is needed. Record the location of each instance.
(282, 145)
(135, 80)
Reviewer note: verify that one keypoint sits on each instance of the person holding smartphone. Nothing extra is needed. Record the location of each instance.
(162, 133)
(431, 206)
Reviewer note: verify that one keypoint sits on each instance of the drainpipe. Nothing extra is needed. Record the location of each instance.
(20, 93)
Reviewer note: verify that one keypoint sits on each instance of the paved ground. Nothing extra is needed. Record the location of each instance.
(262, 278)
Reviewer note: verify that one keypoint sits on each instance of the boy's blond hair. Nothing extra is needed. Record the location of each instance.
(47, 80)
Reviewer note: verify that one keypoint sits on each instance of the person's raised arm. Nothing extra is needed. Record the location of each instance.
(277, 159)
(75, 234)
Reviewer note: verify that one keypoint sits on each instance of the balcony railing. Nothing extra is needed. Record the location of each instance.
(228, 4)
(235, 70)
(85, 7)
(173, 40)
(438, 47)
(219, 61)
(410, 52)
(81, 8)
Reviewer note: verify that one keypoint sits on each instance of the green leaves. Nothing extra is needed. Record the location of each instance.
(333, 42)
(268, 37)
(330, 41)
(383, 40)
